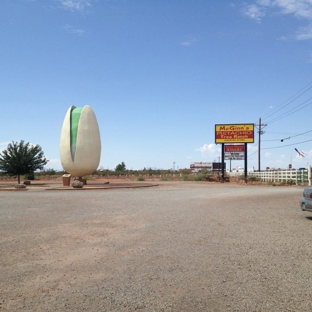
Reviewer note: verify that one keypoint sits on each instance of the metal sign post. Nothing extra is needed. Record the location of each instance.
(222, 156)
(245, 162)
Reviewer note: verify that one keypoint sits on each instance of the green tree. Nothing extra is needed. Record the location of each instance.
(20, 158)
(121, 167)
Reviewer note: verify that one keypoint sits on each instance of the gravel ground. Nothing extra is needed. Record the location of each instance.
(175, 247)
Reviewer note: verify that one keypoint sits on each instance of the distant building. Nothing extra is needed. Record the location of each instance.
(238, 169)
(209, 166)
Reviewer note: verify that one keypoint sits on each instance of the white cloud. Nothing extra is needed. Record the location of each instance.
(264, 2)
(283, 38)
(189, 41)
(268, 155)
(72, 30)
(254, 12)
(75, 5)
(54, 163)
(211, 150)
(304, 33)
(298, 8)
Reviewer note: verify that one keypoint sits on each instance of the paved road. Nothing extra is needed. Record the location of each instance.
(175, 247)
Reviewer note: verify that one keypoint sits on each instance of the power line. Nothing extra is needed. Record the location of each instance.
(273, 140)
(289, 136)
(281, 116)
(252, 153)
(291, 111)
(297, 135)
(286, 145)
(251, 148)
(290, 100)
(255, 146)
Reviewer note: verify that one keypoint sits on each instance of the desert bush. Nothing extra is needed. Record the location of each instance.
(29, 176)
(185, 177)
(253, 178)
(49, 172)
(199, 177)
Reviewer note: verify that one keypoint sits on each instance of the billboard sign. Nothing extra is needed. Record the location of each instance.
(234, 133)
(218, 166)
(210, 166)
(207, 165)
(234, 156)
(234, 152)
(234, 148)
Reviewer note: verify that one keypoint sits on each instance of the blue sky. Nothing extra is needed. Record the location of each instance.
(159, 75)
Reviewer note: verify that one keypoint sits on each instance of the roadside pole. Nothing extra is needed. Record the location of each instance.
(222, 160)
(245, 162)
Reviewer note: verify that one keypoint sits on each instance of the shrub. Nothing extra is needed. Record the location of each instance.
(29, 176)
(253, 178)
(49, 172)
(199, 177)
(140, 178)
(185, 177)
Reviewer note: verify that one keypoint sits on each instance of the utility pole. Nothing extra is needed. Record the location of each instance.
(259, 145)
(260, 132)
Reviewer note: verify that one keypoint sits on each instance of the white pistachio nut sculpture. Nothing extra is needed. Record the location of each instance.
(80, 144)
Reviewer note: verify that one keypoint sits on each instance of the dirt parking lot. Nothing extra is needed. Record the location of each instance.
(181, 246)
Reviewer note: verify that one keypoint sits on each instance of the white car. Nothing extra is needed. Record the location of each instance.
(306, 201)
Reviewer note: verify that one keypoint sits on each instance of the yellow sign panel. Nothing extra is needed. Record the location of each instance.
(237, 133)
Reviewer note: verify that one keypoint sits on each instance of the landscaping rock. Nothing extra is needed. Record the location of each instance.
(19, 186)
(77, 184)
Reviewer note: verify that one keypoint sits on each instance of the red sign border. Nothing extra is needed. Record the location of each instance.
(231, 142)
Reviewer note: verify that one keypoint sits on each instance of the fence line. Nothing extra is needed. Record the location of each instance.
(300, 176)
